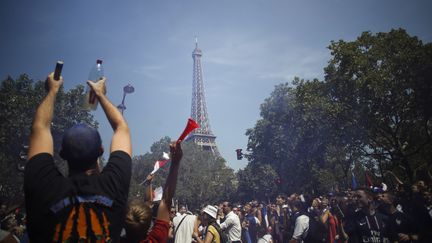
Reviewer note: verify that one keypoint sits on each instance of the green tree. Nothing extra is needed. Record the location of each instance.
(372, 111)
(257, 182)
(203, 178)
(381, 84)
(292, 134)
(19, 99)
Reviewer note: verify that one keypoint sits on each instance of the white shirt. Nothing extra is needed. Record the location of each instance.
(185, 231)
(301, 227)
(265, 239)
(232, 224)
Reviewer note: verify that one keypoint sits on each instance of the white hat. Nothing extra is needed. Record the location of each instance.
(211, 210)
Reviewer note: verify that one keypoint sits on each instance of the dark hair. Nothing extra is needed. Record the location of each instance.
(394, 200)
(367, 191)
(81, 146)
(297, 204)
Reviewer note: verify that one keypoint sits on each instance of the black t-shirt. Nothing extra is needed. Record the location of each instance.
(47, 192)
(367, 228)
(400, 223)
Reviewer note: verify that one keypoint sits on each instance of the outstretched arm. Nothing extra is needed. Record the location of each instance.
(148, 190)
(41, 140)
(171, 183)
(121, 139)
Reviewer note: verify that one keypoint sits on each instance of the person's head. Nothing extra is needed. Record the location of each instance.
(182, 209)
(363, 198)
(421, 185)
(226, 207)
(296, 205)
(387, 202)
(324, 204)
(293, 197)
(81, 147)
(247, 208)
(209, 214)
(261, 232)
(172, 212)
(427, 197)
(138, 220)
(414, 189)
(236, 210)
(280, 199)
(316, 203)
(387, 198)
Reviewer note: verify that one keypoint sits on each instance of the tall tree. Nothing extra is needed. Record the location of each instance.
(372, 110)
(19, 99)
(381, 83)
(292, 134)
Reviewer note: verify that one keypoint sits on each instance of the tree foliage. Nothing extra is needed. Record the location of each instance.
(372, 111)
(203, 177)
(383, 84)
(257, 182)
(19, 99)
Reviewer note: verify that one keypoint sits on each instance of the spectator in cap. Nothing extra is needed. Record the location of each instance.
(51, 198)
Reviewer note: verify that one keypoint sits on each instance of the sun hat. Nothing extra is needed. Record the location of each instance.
(211, 210)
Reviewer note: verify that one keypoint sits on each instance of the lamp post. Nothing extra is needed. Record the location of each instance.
(23, 155)
(128, 89)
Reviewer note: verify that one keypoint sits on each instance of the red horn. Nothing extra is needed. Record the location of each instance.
(191, 125)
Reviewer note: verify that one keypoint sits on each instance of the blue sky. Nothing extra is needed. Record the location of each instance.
(249, 46)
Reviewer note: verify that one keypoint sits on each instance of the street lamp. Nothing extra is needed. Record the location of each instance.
(128, 89)
(23, 155)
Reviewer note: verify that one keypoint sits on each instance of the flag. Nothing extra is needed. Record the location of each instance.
(354, 184)
(368, 180)
(157, 194)
(264, 213)
(160, 163)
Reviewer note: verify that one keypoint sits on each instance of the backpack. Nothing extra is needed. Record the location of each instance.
(317, 232)
(222, 235)
(81, 220)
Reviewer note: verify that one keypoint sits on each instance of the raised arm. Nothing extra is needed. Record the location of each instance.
(41, 140)
(171, 183)
(148, 190)
(121, 139)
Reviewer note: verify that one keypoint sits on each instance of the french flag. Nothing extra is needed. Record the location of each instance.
(160, 163)
(354, 184)
(369, 182)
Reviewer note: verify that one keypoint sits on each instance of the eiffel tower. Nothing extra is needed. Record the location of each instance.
(202, 136)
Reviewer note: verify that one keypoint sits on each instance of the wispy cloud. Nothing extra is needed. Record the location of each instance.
(269, 58)
(150, 72)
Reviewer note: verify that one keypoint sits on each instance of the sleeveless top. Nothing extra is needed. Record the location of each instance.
(215, 233)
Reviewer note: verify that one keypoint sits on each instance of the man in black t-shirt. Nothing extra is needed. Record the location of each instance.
(401, 226)
(366, 225)
(89, 204)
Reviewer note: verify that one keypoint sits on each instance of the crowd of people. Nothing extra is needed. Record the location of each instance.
(92, 205)
(362, 215)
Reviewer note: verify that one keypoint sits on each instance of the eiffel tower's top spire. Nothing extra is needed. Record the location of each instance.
(196, 51)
